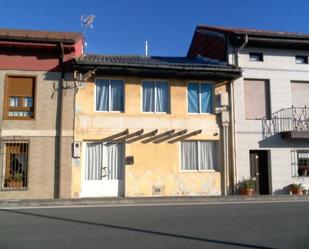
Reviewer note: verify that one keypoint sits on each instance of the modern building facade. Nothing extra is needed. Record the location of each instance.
(36, 112)
(269, 103)
(147, 126)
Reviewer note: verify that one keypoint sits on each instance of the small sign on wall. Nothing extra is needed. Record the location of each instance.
(76, 147)
(129, 160)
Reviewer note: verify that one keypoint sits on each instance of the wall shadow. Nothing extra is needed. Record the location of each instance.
(276, 141)
(145, 231)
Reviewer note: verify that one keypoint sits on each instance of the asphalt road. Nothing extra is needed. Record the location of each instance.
(261, 225)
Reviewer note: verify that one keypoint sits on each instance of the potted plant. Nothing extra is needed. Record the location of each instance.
(247, 187)
(14, 181)
(296, 189)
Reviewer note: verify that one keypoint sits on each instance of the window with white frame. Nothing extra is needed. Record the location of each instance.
(199, 155)
(155, 96)
(109, 95)
(200, 98)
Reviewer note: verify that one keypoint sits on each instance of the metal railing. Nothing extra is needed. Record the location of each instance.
(286, 119)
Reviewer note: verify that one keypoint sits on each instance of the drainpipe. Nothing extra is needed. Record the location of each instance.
(58, 138)
(239, 49)
(233, 119)
(233, 137)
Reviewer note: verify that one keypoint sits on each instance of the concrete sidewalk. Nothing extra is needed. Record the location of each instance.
(144, 201)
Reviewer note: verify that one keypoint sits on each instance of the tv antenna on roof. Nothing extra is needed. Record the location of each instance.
(86, 22)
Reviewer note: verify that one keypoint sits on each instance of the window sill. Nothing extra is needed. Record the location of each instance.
(156, 113)
(199, 171)
(201, 113)
(13, 189)
(105, 112)
(19, 118)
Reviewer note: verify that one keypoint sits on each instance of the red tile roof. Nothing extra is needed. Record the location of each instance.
(39, 36)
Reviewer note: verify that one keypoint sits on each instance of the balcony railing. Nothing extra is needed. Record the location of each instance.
(287, 120)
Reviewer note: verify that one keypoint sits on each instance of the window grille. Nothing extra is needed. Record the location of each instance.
(14, 165)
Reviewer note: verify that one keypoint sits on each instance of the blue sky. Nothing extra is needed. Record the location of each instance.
(121, 27)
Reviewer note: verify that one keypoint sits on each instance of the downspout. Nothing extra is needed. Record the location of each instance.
(233, 120)
(58, 138)
(233, 137)
(239, 49)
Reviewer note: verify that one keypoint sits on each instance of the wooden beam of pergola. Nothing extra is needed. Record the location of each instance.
(134, 134)
(149, 134)
(167, 133)
(185, 136)
(179, 133)
(110, 138)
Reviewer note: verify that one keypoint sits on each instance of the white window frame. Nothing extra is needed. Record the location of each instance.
(198, 160)
(155, 106)
(200, 99)
(109, 96)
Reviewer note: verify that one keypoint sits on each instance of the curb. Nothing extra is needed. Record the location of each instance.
(108, 201)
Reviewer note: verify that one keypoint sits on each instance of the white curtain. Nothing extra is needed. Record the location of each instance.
(28, 102)
(116, 95)
(20, 114)
(94, 161)
(99, 156)
(207, 155)
(162, 97)
(148, 96)
(199, 155)
(206, 98)
(115, 161)
(14, 101)
(189, 156)
(193, 98)
(102, 95)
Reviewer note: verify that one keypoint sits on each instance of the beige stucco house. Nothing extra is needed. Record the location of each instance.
(150, 126)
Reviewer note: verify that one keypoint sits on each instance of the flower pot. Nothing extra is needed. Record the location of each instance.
(297, 191)
(14, 184)
(247, 191)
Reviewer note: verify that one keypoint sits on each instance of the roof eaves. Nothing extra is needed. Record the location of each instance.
(186, 68)
(256, 33)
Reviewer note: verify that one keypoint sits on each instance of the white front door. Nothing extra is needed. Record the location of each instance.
(103, 169)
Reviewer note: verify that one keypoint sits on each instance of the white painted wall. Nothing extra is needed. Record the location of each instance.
(280, 69)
